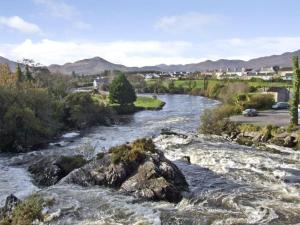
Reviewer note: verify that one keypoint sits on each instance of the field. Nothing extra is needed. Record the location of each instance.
(200, 83)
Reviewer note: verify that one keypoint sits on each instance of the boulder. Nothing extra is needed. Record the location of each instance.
(49, 170)
(284, 139)
(148, 176)
(186, 159)
(167, 131)
(289, 141)
(10, 203)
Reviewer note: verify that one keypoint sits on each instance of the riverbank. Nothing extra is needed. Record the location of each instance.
(219, 121)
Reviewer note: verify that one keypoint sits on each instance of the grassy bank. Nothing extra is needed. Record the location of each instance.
(148, 103)
(141, 103)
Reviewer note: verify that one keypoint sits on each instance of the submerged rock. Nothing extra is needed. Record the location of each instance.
(49, 170)
(142, 171)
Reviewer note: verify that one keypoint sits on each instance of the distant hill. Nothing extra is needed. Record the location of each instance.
(283, 60)
(87, 66)
(12, 65)
(97, 64)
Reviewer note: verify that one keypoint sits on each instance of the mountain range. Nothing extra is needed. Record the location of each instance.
(97, 64)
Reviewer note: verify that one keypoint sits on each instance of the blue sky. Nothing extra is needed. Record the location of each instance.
(144, 32)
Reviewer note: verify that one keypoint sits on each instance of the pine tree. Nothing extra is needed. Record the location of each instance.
(28, 73)
(19, 74)
(296, 86)
(121, 91)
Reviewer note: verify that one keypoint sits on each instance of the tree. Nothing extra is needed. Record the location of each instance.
(19, 74)
(6, 76)
(296, 86)
(28, 73)
(121, 91)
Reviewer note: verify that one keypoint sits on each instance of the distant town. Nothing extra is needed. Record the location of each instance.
(264, 73)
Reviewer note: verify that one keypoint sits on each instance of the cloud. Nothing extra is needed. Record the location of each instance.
(62, 10)
(248, 48)
(187, 22)
(19, 24)
(130, 53)
(149, 53)
(58, 8)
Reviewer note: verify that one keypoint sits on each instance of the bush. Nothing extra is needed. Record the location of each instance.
(216, 121)
(228, 93)
(213, 90)
(259, 101)
(132, 153)
(26, 212)
(249, 128)
(82, 110)
(196, 91)
(28, 116)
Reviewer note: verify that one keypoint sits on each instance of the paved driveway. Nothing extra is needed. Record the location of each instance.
(275, 117)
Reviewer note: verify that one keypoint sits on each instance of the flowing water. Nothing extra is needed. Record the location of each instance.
(229, 183)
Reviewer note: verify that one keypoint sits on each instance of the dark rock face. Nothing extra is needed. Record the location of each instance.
(186, 159)
(10, 203)
(49, 170)
(153, 178)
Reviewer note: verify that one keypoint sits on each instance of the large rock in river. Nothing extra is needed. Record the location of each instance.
(50, 169)
(137, 169)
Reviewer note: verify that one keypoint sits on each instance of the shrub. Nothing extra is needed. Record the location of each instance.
(213, 90)
(249, 128)
(82, 110)
(266, 132)
(252, 89)
(25, 212)
(196, 91)
(259, 101)
(228, 93)
(216, 121)
(28, 116)
(132, 153)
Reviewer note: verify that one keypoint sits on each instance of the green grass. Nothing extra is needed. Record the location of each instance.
(200, 83)
(148, 103)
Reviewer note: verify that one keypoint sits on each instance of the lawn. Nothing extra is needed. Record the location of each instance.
(148, 103)
(200, 83)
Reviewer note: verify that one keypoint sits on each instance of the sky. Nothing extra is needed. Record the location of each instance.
(147, 32)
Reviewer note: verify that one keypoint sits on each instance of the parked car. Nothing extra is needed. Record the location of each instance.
(250, 112)
(281, 105)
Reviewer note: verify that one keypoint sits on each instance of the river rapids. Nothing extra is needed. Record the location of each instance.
(229, 183)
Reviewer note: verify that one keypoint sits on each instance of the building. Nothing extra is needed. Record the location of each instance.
(280, 94)
(268, 70)
(286, 73)
(99, 82)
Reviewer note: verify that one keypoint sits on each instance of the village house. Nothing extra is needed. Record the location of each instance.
(286, 73)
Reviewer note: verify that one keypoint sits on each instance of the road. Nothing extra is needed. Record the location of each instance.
(274, 117)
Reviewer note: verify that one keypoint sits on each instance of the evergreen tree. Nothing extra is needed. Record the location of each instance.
(19, 74)
(296, 86)
(28, 73)
(121, 91)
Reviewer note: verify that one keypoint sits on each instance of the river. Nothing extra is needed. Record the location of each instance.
(229, 183)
